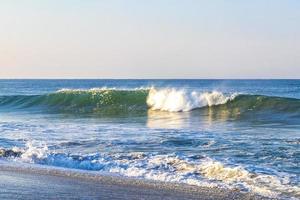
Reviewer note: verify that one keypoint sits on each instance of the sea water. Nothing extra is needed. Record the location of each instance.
(241, 134)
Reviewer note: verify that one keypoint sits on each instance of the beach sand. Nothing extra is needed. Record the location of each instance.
(31, 182)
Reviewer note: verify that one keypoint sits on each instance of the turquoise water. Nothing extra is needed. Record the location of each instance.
(242, 134)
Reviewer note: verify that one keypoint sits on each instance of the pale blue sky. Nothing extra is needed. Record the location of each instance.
(150, 39)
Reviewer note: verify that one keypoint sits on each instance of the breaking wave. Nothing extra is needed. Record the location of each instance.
(112, 101)
(174, 100)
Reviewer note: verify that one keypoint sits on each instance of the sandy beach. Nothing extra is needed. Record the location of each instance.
(31, 182)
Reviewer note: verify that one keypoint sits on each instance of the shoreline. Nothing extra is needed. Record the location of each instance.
(28, 181)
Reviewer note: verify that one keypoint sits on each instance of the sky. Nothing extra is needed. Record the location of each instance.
(150, 39)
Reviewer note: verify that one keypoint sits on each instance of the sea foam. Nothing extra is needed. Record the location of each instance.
(174, 100)
(167, 168)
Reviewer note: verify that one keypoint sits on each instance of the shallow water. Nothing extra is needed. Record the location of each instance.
(241, 134)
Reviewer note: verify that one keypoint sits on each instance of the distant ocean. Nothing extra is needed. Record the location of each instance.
(242, 134)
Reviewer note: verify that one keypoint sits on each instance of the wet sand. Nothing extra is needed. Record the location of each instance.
(31, 182)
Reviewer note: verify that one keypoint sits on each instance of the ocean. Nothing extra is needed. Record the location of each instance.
(237, 134)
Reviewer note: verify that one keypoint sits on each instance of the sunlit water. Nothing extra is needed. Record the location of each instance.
(241, 134)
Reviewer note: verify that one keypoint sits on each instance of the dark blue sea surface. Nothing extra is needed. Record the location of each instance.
(241, 134)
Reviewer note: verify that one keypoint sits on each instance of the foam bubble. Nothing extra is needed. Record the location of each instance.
(33, 152)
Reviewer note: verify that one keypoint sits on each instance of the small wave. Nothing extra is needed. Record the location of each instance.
(168, 168)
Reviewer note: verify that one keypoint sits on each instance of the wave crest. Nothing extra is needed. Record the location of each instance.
(174, 100)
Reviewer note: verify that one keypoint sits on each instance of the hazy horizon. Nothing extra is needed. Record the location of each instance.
(138, 39)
